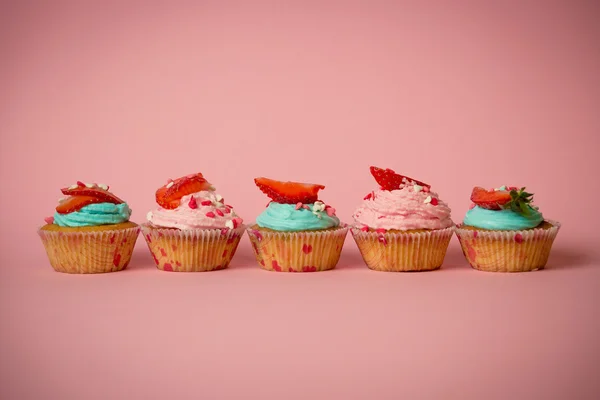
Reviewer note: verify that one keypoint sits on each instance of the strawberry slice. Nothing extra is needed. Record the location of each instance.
(389, 180)
(490, 199)
(76, 203)
(104, 195)
(169, 196)
(289, 192)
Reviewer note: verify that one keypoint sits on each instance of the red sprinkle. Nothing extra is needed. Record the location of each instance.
(226, 210)
(434, 201)
(365, 229)
(380, 230)
(298, 206)
(192, 203)
(49, 220)
(426, 189)
(219, 212)
(206, 202)
(368, 196)
(210, 214)
(79, 183)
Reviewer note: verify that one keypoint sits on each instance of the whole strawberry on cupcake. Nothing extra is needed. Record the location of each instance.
(504, 232)
(296, 232)
(90, 231)
(403, 226)
(193, 229)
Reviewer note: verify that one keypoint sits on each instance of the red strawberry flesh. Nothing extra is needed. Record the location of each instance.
(169, 196)
(289, 192)
(76, 203)
(104, 195)
(390, 180)
(490, 199)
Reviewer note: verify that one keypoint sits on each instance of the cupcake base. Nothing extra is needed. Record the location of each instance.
(193, 250)
(508, 251)
(89, 250)
(403, 251)
(304, 251)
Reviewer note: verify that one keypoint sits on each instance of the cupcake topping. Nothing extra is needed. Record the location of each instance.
(389, 180)
(503, 198)
(81, 195)
(289, 192)
(169, 196)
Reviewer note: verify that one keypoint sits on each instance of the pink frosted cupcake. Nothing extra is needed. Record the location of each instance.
(404, 226)
(193, 229)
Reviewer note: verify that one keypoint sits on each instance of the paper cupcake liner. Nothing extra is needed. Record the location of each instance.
(89, 252)
(402, 252)
(308, 251)
(192, 250)
(508, 251)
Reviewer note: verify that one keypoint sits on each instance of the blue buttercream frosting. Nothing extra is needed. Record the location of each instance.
(285, 217)
(95, 214)
(503, 220)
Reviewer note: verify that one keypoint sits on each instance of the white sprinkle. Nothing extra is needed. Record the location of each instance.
(417, 188)
(169, 184)
(318, 206)
(229, 224)
(73, 187)
(149, 216)
(103, 186)
(219, 197)
(428, 199)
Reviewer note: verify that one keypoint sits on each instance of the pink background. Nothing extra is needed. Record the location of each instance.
(453, 93)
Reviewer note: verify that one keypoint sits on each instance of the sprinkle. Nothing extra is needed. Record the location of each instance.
(330, 211)
(228, 206)
(298, 206)
(425, 189)
(305, 207)
(318, 206)
(365, 229)
(103, 186)
(219, 197)
(226, 210)
(206, 202)
(380, 230)
(73, 187)
(192, 203)
(90, 185)
(472, 206)
(79, 183)
(169, 184)
(219, 212)
(369, 196)
(49, 220)
(237, 221)
(210, 214)
(434, 201)
(230, 224)
(417, 188)
(383, 240)
(149, 215)
(427, 200)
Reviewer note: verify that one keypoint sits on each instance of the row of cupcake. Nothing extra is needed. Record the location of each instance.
(402, 226)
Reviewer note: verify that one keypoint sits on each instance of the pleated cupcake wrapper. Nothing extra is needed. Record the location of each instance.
(192, 250)
(402, 252)
(309, 251)
(508, 251)
(89, 252)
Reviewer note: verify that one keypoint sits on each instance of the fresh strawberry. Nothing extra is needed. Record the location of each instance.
(76, 203)
(490, 199)
(104, 195)
(169, 196)
(289, 192)
(389, 180)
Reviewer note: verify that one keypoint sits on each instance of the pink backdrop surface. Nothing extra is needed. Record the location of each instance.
(456, 94)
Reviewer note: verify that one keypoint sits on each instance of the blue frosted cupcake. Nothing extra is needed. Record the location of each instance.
(296, 232)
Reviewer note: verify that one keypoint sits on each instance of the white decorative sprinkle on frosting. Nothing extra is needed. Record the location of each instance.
(229, 224)
(219, 197)
(89, 185)
(169, 184)
(103, 186)
(73, 187)
(417, 188)
(427, 200)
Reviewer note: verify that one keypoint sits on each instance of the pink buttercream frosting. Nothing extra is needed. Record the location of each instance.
(208, 216)
(403, 209)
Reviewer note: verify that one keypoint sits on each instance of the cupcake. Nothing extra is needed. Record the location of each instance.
(296, 232)
(403, 226)
(192, 230)
(504, 232)
(90, 231)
